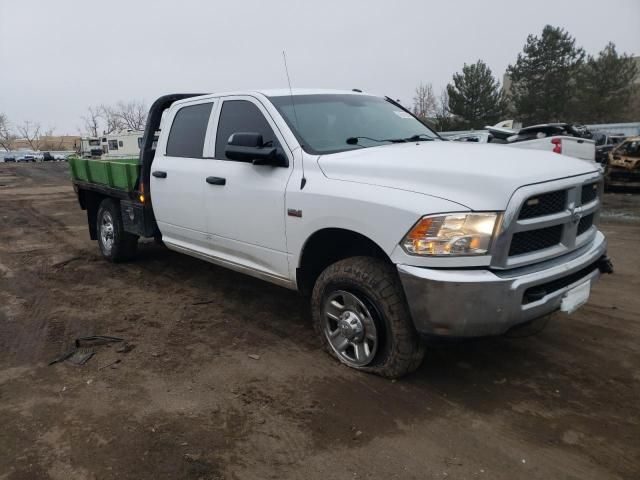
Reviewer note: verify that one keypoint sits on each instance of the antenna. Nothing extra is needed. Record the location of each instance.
(295, 114)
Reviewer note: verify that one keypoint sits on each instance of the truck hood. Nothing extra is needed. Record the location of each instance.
(479, 177)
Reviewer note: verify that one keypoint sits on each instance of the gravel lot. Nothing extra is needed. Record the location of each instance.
(225, 380)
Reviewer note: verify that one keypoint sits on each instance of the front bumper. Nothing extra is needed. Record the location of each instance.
(473, 303)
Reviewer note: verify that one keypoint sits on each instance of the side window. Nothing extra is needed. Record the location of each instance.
(241, 116)
(186, 138)
(113, 145)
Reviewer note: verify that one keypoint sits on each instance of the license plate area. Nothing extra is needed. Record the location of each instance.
(575, 297)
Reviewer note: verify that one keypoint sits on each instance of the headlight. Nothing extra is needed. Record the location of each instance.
(452, 234)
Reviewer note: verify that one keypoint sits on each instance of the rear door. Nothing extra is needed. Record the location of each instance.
(177, 173)
(246, 207)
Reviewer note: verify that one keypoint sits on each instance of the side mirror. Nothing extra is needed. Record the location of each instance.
(249, 147)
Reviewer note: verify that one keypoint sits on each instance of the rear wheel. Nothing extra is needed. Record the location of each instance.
(115, 244)
(360, 314)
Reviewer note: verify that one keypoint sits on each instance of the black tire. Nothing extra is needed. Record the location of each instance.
(375, 283)
(123, 245)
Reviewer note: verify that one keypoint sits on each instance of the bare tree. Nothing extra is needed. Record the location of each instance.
(6, 136)
(30, 131)
(92, 121)
(111, 118)
(424, 101)
(51, 142)
(444, 119)
(133, 114)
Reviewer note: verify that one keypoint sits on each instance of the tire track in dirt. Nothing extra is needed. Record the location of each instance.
(39, 331)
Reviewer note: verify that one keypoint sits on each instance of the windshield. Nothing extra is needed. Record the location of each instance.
(337, 122)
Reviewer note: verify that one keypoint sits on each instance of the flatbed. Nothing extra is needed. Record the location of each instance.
(118, 173)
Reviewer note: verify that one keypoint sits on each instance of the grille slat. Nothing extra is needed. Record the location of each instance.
(533, 240)
(544, 204)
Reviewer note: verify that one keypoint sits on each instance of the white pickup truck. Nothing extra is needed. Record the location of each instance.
(567, 139)
(394, 233)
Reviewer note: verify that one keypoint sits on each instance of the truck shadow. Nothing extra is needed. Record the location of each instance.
(483, 375)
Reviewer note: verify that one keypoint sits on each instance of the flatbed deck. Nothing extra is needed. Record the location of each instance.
(117, 173)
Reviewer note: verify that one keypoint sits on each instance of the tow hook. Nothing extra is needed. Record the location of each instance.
(604, 264)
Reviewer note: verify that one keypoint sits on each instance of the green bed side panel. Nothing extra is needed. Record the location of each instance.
(115, 172)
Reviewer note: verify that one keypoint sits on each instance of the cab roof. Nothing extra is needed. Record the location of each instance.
(281, 92)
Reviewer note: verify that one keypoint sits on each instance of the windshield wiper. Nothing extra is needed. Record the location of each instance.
(355, 140)
(418, 137)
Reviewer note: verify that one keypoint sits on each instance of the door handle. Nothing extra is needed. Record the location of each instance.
(216, 181)
(159, 174)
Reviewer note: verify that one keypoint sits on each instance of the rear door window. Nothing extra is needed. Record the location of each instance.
(242, 116)
(188, 131)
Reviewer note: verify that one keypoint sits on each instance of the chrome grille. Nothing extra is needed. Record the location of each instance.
(548, 220)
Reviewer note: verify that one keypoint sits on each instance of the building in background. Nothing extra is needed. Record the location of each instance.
(48, 143)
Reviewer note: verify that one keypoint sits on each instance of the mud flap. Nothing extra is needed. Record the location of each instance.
(136, 219)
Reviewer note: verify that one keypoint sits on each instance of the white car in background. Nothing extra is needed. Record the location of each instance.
(572, 140)
(480, 136)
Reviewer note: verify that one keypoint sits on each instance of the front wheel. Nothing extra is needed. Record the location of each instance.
(360, 313)
(115, 244)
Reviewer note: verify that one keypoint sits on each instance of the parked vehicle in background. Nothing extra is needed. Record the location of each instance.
(26, 158)
(568, 139)
(10, 158)
(121, 145)
(61, 157)
(623, 167)
(475, 137)
(90, 147)
(47, 157)
(605, 142)
(394, 233)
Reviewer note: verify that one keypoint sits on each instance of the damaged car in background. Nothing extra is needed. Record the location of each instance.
(623, 167)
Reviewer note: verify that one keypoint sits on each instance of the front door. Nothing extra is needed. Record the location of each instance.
(246, 207)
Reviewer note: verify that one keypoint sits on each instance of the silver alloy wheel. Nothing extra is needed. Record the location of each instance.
(107, 232)
(350, 328)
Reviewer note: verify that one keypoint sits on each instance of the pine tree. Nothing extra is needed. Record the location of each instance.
(543, 77)
(606, 84)
(475, 96)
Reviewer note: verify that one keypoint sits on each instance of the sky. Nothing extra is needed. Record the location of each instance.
(58, 57)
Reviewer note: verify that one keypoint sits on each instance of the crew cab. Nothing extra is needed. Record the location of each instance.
(347, 197)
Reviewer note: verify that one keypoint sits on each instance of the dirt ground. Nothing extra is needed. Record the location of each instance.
(225, 380)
